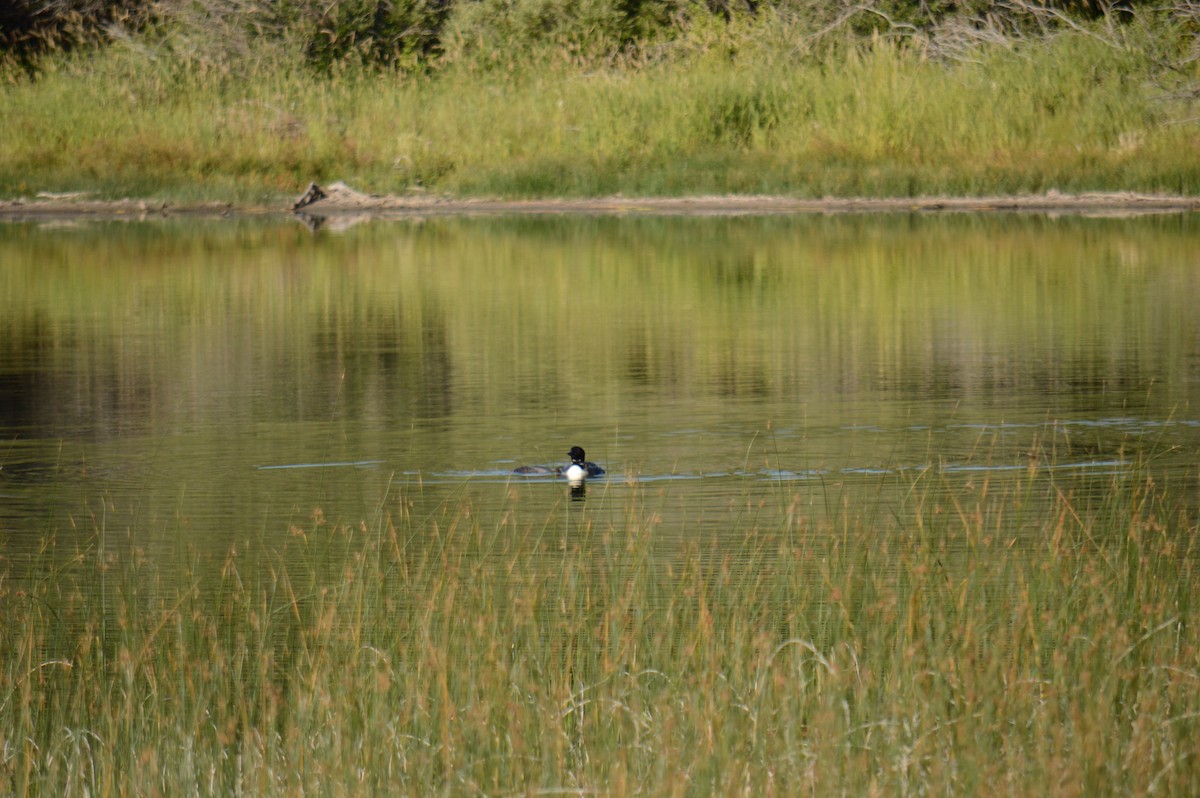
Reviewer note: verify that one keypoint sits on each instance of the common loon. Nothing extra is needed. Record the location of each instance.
(580, 467)
(578, 470)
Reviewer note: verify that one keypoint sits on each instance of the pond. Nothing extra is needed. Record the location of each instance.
(192, 386)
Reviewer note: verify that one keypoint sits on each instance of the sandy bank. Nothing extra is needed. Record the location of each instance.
(339, 201)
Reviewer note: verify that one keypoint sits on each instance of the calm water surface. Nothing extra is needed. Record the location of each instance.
(189, 386)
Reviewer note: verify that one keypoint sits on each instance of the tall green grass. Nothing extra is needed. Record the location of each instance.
(1016, 639)
(751, 107)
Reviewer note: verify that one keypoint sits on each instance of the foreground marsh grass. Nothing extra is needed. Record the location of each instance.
(966, 645)
(748, 108)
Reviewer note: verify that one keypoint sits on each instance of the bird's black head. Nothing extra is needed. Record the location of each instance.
(576, 454)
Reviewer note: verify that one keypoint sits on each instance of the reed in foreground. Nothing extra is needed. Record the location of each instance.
(961, 648)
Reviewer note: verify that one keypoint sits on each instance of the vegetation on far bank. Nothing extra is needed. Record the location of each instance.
(538, 98)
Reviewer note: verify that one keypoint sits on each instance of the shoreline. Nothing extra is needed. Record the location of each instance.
(339, 200)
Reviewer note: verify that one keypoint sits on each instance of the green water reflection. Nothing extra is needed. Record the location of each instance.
(169, 379)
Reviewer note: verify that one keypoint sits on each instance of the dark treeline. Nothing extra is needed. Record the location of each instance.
(417, 33)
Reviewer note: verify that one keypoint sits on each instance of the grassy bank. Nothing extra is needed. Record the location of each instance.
(754, 105)
(966, 645)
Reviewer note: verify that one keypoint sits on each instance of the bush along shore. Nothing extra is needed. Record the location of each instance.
(238, 102)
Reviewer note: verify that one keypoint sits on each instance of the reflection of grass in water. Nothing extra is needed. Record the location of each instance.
(703, 310)
(971, 643)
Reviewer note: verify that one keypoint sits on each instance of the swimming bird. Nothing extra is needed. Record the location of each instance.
(578, 469)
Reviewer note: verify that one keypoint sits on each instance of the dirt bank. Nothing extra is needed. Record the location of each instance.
(337, 201)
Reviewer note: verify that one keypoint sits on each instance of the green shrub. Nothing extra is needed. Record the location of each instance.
(506, 33)
(403, 32)
(31, 28)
